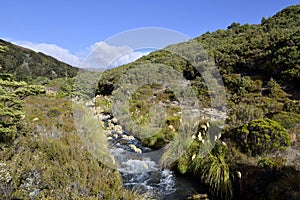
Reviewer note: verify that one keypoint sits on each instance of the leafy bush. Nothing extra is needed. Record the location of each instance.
(11, 95)
(261, 136)
(243, 113)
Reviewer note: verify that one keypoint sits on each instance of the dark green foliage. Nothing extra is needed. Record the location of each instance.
(270, 49)
(11, 95)
(261, 136)
(274, 89)
(292, 106)
(259, 65)
(242, 113)
(27, 65)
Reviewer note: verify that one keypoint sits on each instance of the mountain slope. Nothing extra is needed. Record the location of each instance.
(26, 64)
(269, 49)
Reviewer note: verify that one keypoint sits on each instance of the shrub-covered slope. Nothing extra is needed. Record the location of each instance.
(27, 65)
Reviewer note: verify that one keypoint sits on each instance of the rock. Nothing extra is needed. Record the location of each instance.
(114, 120)
(132, 146)
(123, 142)
(145, 166)
(207, 124)
(125, 136)
(224, 144)
(138, 150)
(239, 174)
(130, 137)
(89, 104)
(35, 119)
(204, 127)
(135, 149)
(99, 110)
(200, 136)
(118, 129)
(107, 132)
(109, 138)
(215, 138)
(102, 124)
(115, 136)
(110, 125)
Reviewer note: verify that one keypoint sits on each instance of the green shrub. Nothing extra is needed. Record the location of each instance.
(261, 136)
(271, 162)
(287, 119)
(292, 106)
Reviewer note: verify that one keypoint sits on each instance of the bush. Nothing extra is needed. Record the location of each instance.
(287, 119)
(271, 162)
(261, 136)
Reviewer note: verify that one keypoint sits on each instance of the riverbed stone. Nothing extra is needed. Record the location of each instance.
(118, 129)
(114, 120)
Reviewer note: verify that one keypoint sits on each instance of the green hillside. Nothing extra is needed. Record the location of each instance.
(255, 156)
(260, 68)
(269, 49)
(27, 65)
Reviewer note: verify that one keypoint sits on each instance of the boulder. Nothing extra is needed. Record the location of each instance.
(138, 150)
(109, 138)
(117, 128)
(130, 137)
(115, 135)
(123, 142)
(125, 136)
(114, 120)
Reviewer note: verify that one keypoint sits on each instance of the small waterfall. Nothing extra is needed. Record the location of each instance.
(139, 168)
(143, 174)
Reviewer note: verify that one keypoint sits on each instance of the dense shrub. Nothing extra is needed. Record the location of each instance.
(261, 136)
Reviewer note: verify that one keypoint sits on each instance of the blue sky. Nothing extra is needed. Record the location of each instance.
(72, 27)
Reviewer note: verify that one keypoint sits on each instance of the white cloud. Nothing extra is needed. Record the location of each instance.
(103, 55)
(130, 57)
(52, 50)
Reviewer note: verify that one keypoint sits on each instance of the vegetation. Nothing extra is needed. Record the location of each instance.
(261, 136)
(11, 95)
(259, 65)
(42, 155)
(27, 65)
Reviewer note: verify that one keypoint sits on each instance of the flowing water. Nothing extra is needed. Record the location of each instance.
(141, 171)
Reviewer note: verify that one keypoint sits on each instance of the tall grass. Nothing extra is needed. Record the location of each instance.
(215, 172)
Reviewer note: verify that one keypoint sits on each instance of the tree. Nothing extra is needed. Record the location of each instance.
(11, 95)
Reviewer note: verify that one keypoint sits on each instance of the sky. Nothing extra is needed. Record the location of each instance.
(70, 30)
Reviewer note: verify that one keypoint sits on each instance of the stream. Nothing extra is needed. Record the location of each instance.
(140, 170)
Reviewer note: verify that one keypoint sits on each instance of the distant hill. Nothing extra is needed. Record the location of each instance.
(261, 51)
(26, 64)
